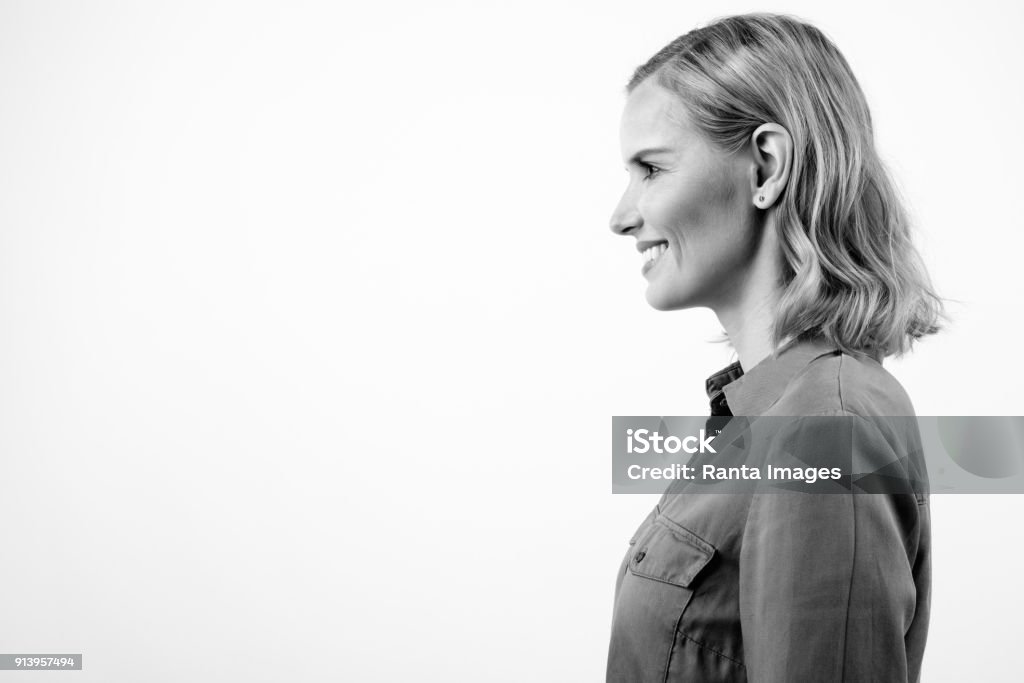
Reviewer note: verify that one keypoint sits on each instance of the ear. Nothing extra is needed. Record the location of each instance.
(771, 147)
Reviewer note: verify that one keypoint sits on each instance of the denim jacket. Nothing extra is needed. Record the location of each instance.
(782, 587)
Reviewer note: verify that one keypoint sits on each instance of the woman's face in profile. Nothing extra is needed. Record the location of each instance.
(688, 204)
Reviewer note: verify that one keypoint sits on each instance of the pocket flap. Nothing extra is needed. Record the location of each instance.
(670, 553)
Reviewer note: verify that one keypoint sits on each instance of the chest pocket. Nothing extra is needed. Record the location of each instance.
(670, 553)
(663, 562)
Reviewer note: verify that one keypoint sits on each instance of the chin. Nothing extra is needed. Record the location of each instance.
(667, 301)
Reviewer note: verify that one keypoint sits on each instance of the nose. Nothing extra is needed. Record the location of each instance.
(625, 219)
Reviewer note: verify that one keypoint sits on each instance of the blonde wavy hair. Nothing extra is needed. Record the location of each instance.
(851, 272)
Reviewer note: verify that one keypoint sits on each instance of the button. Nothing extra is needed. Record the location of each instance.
(639, 556)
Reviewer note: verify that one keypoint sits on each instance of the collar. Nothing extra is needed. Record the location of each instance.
(735, 392)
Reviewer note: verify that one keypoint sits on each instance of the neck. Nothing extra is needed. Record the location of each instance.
(750, 331)
(750, 312)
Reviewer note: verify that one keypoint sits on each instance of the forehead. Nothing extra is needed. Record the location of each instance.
(653, 117)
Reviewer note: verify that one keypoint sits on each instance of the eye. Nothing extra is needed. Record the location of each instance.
(651, 170)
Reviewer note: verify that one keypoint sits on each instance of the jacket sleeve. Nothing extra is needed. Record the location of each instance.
(829, 582)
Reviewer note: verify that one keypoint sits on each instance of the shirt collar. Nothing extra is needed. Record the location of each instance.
(752, 392)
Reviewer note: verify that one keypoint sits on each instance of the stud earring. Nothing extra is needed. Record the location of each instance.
(761, 198)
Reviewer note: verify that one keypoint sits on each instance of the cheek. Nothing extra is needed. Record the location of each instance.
(701, 212)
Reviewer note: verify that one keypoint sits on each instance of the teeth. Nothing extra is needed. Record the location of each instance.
(654, 252)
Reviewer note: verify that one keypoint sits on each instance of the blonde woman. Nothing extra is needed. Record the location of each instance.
(755, 190)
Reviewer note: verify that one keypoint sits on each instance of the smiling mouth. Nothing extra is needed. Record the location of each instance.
(651, 254)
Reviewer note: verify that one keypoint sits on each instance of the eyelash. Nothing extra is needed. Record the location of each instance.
(651, 171)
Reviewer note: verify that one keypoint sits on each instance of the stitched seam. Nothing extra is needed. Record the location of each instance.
(659, 580)
(849, 594)
(904, 467)
(714, 651)
(799, 373)
(839, 383)
(672, 649)
(685, 535)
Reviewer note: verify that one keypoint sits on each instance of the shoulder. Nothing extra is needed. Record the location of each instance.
(843, 383)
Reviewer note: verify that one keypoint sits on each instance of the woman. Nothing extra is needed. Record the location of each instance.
(755, 190)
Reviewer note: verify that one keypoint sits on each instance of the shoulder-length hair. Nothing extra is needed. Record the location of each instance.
(851, 272)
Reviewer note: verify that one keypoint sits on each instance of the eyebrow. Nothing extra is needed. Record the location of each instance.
(649, 151)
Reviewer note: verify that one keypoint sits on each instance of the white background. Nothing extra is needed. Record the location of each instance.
(312, 328)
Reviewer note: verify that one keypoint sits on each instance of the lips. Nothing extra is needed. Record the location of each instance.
(651, 251)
